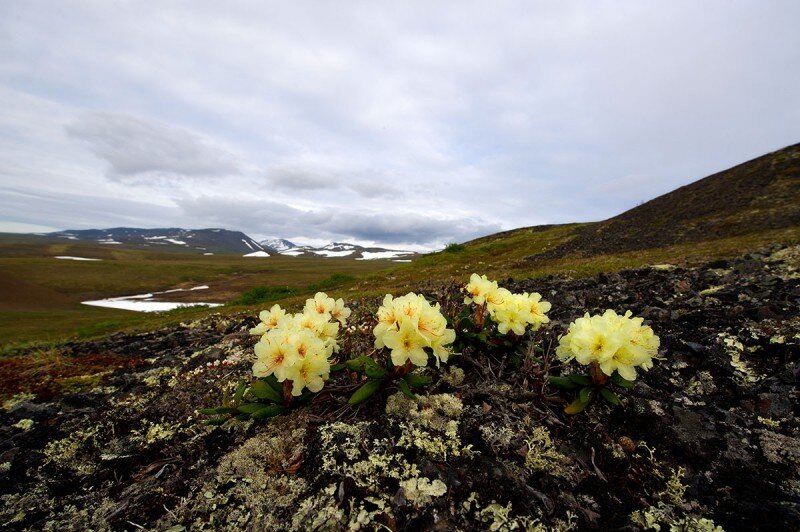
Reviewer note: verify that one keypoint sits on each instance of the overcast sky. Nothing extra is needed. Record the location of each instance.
(397, 123)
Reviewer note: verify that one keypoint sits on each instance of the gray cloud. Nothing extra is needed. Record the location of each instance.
(391, 228)
(295, 178)
(135, 147)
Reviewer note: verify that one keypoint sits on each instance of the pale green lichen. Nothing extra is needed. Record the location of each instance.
(66, 452)
(675, 487)
(712, 290)
(24, 424)
(431, 424)
(422, 491)
(771, 423)
(780, 449)
(16, 399)
(664, 515)
(542, 455)
(454, 376)
(153, 377)
(701, 384)
(735, 349)
(160, 431)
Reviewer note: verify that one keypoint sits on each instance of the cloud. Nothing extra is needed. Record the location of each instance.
(296, 178)
(264, 217)
(137, 147)
(392, 120)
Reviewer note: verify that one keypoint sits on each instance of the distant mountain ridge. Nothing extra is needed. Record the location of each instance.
(206, 241)
(338, 250)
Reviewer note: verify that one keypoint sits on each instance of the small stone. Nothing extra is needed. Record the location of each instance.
(627, 444)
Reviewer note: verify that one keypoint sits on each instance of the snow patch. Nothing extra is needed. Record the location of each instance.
(246, 243)
(67, 257)
(257, 254)
(292, 252)
(374, 255)
(141, 303)
(179, 242)
(326, 253)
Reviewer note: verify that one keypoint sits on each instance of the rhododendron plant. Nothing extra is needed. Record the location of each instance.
(413, 330)
(511, 312)
(613, 346)
(612, 342)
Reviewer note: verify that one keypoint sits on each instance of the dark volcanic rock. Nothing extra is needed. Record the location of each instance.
(710, 434)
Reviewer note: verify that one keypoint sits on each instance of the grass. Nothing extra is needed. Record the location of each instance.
(251, 284)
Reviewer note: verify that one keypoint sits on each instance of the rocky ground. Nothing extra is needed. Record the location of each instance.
(708, 438)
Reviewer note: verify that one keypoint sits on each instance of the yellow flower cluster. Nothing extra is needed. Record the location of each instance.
(409, 324)
(511, 312)
(297, 347)
(614, 342)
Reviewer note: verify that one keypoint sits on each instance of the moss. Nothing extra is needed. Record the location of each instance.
(81, 383)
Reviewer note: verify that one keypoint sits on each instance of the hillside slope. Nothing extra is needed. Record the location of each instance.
(759, 195)
(112, 438)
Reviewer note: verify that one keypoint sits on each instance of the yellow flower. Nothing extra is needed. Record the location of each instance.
(309, 372)
(340, 313)
(478, 288)
(614, 342)
(269, 320)
(406, 344)
(273, 357)
(321, 305)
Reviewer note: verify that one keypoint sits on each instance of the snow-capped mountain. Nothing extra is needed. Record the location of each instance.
(278, 244)
(204, 241)
(349, 251)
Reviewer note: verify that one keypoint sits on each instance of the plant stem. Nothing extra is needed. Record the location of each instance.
(598, 377)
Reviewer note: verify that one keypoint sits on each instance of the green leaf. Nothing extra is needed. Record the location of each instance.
(620, 381)
(216, 421)
(217, 411)
(338, 367)
(269, 411)
(249, 408)
(373, 369)
(239, 393)
(272, 380)
(575, 406)
(357, 364)
(243, 417)
(585, 395)
(367, 390)
(418, 381)
(610, 396)
(403, 385)
(262, 390)
(582, 380)
(561, 383)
